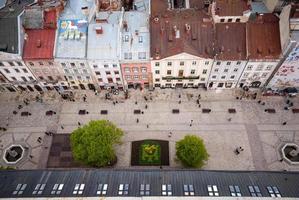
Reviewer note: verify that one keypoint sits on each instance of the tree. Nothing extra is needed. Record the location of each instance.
(93, 144)
(191, 151)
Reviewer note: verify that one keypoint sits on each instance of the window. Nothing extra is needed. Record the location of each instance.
(31, 63)
(188, 190)
(17, 70)
(79, 77)
(19, 63)
(70, 77)
(218, 63)
(7, 71)
(117, 79)
(102, 189)
(25, 70)
(169, 63)
(95, 66)
(225, 70)
(106, 66)
(141, 55)
(246, 75)
(1, 64)
(128, 56)
(236, 69)
(100, 79)
(76, 71)
(213, 190)
(66, 71)
(82, 64)
(84, 71)
(255, 191)
(269, 67)
(182, 63)
(259, 68)
(87, 77)
(202, 79)
(222, 20)
(238, 20)
(216, 70)
(204, 71)
(108, 73)
(123, 189)
(11, 63)
(214, 77)
(114, 65)
(41, 77)
(13, 78)
(249, 67)
(40, 63)
(135, 69)
(144, 189)
(239, 62)
(273, 191)
(230, 20)
(168, 72)
(235, 191)
(127, 69)
(157, 72)
(78, 189)
(166, 190)
(228, 63)
(140, 39)
(193, 62)
(207, 62)
(116, 72)
(181, 73)
(19, 189)
(128, 77)
(223, 77)
(50, 63)
(192, 71)
(24, 79)
(220, 85)
(143, 69)
(57, 188)
(157, 64)
(50, 78)
(157, 79)
(73, 64)
(30, 78)
(39, 188)
(136, 77)
(126, 38)
(63, 64)
(232, 77)
(264, 75)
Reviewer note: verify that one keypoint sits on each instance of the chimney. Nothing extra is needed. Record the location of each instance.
(99, 30)
(157, 53)
(125, 26)
(38, 44)
(85, 10)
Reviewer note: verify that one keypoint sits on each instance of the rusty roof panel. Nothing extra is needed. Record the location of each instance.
(231, 7)
(263, 37)
(174, 32)
(230, 41)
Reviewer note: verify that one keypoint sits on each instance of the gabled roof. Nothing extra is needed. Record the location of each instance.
(182, 31)
(263, 37)
(230, 41)
(231, 7)
(8, 19)
(39, 44)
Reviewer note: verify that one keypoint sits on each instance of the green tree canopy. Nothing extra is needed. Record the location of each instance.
(191, 151)
(93, 144)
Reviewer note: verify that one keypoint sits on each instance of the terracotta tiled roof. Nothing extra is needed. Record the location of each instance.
(50, 19)
(174, 32)
(263, 37)
(39, 44)
(231, 7)
(230, 41)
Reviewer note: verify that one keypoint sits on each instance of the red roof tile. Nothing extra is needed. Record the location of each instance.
(263, 37)
(39, 44)
(231, 7)
(50, 19)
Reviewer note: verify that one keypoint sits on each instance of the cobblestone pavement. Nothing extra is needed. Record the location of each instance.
(258, 132)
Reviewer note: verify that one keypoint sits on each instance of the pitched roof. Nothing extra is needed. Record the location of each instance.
(39, 44)
(182, 31)
(231, 7)
(263, 37)
(230, 41)
(286, 183)
(8, 19)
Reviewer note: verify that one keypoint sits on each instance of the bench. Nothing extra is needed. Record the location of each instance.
(232, 110)
(175, 111)
(206, 110)
(104, 112)
(137, 112)
(295, 110)
(270, 110)
(82, 112)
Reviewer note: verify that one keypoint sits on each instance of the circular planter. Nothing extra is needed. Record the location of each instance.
(290, 153)
(13, 154)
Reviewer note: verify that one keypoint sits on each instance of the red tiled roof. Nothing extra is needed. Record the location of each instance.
(50, 19)
(231, 7)
(39, 44)
(263, 37)
(186, 31)
(230, 41)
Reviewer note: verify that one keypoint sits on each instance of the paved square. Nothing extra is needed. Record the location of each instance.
(260, 133)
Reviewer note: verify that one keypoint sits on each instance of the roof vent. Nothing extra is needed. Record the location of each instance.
(156, 19)
(11, 9)
(38, 44)
(188, 28)
(99, 30)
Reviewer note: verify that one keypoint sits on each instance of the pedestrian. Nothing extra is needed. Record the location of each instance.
(281, 160)
(197, 101)
(79, 124)
(179, 96)
(180, 101)
(147, 126)
(113, 103)
(237, 152)
(191, 120)
(84, 99)
(284, 123)
(46, 133)
(190, 124)
(137, 120)
(229, 119)
(259, 101)
(31, 156)
(145, 106)
(62, 127)
(199, 105)
(135, 102)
